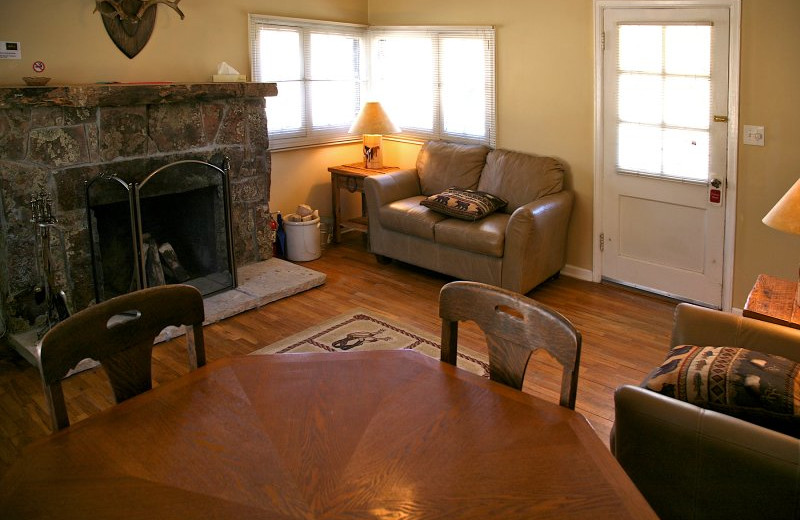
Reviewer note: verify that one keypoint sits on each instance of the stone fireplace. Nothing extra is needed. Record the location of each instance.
(61, 138)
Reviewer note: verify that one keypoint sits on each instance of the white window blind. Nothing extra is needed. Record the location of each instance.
(664, 100)
(436, 82)
(320, 70)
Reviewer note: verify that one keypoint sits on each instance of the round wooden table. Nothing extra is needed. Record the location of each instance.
(391, 434)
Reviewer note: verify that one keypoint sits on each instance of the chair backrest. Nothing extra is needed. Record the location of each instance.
(515, 326)
(119, 333)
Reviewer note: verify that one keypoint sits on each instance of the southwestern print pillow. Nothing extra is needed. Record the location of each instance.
(464, 204)
(760, 388)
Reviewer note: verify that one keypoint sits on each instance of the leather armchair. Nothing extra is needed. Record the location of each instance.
(689, 462)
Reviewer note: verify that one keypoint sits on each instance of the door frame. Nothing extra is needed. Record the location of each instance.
(734, 8)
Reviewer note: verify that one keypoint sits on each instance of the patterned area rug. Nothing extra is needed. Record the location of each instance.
(365, 330)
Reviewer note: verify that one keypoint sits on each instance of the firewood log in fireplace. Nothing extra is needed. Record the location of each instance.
(154, 272)
(173, 270)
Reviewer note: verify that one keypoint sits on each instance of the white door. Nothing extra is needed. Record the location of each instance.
(665, 134)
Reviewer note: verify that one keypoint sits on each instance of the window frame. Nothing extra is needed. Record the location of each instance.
(437, 34)
(308, 136)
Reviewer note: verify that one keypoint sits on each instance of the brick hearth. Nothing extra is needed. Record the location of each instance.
(60, 137)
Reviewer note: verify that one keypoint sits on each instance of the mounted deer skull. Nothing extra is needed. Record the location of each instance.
(130, 23)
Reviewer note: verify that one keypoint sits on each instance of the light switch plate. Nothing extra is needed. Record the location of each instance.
(753, 135)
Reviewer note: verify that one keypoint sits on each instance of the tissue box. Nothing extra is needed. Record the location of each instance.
(227, 78)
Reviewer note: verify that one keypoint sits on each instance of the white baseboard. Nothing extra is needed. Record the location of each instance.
(577, 272)
(586, 275)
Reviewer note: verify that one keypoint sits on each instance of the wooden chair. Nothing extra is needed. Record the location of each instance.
(119, 333)
(514, 326)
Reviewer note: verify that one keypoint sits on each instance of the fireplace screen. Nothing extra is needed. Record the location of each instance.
(172, 227)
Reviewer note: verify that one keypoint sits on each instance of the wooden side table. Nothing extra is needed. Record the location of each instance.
(351, 177)
(774, 300)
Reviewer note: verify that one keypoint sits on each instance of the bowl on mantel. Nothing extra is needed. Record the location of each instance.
(35, 81)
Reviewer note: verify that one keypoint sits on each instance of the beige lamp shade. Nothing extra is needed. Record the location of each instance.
(373, 120)
(785, 215)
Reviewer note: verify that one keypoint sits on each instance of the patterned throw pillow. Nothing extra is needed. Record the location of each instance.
(760, 388)
(464, 204)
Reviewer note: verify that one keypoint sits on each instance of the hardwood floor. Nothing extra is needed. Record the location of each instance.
(625, 333)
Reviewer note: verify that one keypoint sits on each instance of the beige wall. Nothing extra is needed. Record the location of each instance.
(545, 91)
(770, 86)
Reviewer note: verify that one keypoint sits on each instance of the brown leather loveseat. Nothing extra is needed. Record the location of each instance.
(693, 462)
(517, 247)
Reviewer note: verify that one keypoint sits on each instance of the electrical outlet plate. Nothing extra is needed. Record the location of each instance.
(753, 135)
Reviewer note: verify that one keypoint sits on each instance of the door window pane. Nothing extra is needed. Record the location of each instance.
(686, 154)
(641, 48)
(639, 148)
(688, 50)
(640, 98)
(664, 100)
(687, 101)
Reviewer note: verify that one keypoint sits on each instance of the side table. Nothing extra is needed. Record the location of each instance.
(774, 300)
(351, 177)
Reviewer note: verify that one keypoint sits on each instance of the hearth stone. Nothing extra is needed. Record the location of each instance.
(260, 283)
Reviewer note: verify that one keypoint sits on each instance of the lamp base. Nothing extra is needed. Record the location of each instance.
(373, 154)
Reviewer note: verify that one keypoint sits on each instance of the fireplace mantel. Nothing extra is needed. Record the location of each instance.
(128, 94)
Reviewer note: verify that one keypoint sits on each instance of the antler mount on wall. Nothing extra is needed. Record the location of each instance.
(130, 23)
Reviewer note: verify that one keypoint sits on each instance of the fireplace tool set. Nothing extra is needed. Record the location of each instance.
(46, 223)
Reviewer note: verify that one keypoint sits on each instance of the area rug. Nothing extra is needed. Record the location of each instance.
(366, 330)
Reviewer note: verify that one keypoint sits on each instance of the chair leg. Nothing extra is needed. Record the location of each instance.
(54, 395)
(195, 346)
(449, 342)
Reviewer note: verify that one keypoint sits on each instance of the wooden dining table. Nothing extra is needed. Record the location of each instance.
(378, 434)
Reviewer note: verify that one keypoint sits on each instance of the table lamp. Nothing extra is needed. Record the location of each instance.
(373, 122)
(785, 216)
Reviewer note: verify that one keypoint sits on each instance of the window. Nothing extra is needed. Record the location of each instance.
(319, 69)
(434, 82)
